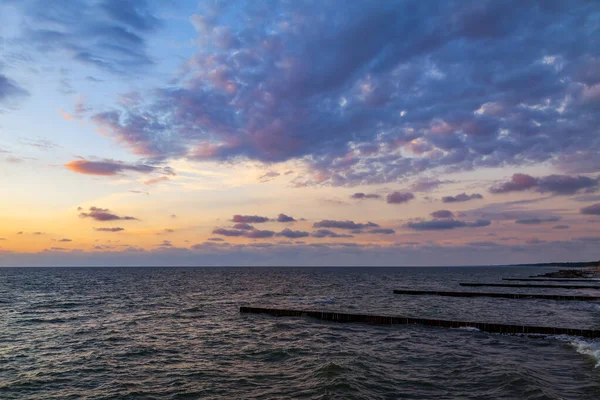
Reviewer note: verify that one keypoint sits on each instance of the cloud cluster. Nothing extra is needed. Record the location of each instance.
(103, 215)
(554, 184)
(399, 197)
(349, 98)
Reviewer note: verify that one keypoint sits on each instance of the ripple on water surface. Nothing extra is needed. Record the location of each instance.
(176, 333)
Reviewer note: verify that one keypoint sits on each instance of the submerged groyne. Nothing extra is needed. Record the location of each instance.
(590, 280)
(397, 320)
(498, 295)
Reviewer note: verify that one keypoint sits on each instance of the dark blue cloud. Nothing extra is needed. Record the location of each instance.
(361, 195)
(249, 219)
(107, 34)
(399, 197)
(442, 214)
(536, 221)
(9, 89)
(285, 218)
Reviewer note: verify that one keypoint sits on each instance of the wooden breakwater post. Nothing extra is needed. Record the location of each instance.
(552, 280)
(397, 320)
(498, 295)
(526, 285)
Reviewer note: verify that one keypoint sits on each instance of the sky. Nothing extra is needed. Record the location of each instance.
(303, 132)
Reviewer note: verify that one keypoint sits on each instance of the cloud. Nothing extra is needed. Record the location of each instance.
(154, 181)
(251, 234)
(326, 223)
(109, 34)
(461, 198)
(9, 90)
(215, 239)
(560, 227)
(555, 184)
(427, 185)
(250, 219)
(594, 209)
(37, 233)
(243, 227)
(383, 231)
(288, 233)
(228, 232)
(268, 176)
(445, 224)
(285, 218)
(321, 233)
(165, 243)
(116, 229)
(106, 167)
(104, 214)
(64, 240)
(399, 197)
(259, 234)
(361, 195)
(442, 214)
(347, 98)
(536, 221)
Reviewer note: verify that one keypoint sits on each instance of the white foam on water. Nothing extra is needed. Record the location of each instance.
(469, 328)
(590, 348)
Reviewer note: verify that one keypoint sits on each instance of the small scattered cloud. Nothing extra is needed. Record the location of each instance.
(285, 218)
(461, 198)
(291, 234)
(361, 196)
(560, 227)
(116, 229)
(536, 221)
(42, 144)
(322, 233)
(104, 214)
(154, 181)
(250, 219)
(382, 231)
(427, 185)
(594, 209)
(399, 197)
(326, 223)
(107, 167)
(243, 227)
(215, 239)
(65, 240)
(445, 224)
(269, 176)
(139, 192)
(442, 214)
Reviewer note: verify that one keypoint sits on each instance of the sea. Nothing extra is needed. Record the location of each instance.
(177, 333)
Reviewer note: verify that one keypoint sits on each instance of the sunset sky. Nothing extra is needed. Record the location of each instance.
(299, 132)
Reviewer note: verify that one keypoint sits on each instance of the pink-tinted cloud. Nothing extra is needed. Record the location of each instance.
(154, 181)
(106, 167)
(555, 184)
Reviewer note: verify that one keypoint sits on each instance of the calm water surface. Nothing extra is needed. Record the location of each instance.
(176, 333)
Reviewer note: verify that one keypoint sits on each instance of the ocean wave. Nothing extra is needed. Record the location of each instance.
(328, 300)
(588, 348)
